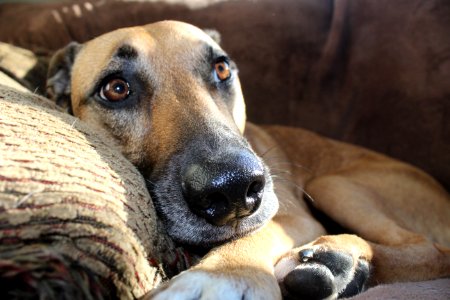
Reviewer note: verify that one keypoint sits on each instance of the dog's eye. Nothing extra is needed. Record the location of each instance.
(115, 90)
(222, 70)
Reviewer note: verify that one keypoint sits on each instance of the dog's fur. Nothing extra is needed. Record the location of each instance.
(179, 118)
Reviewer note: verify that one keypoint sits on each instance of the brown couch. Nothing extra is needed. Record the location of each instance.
(373, 73)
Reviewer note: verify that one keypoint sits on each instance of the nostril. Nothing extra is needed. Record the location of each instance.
(215, 208)
(255, 188)
(217, 204)
(253, 198)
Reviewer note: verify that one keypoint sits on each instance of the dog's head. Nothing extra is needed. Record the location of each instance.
(171, 97)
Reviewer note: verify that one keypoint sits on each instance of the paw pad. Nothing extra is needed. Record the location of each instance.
(320, 274)
(308, 283)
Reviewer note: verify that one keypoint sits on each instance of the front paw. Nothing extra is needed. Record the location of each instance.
(314, 272)
(235, 285)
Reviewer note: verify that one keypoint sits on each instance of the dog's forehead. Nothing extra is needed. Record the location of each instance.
(178, 33)
(170, 37)
(164, 42)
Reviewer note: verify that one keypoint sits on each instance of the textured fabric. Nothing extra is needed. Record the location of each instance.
(430, 290)
(24, 67)
(67, 191)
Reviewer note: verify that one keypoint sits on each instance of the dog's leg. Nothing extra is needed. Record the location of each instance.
(248, 275)
(341, 265)
(241, 269)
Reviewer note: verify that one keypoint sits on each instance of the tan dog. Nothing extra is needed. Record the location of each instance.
(171, 98)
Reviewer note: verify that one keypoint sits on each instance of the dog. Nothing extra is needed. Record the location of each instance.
(341, 218)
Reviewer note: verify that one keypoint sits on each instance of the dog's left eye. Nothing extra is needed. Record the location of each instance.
(222, 70)
(114, 90)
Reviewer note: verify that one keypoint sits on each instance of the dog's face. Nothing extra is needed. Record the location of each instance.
(172, 99)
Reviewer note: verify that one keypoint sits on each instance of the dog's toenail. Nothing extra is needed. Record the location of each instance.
(306, 254)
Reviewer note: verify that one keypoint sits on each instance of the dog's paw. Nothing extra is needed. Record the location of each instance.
(315, 272)
(199, 284)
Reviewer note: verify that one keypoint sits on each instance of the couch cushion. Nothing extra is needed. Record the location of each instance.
(72, 206)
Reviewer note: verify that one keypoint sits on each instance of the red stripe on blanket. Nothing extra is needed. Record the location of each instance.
(49, 182)
(10, 179)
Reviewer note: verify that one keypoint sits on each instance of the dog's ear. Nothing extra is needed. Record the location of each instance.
(59, 75)
(214, 34)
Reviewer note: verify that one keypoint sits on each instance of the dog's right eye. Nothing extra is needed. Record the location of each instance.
(222, 70)
(115, 90)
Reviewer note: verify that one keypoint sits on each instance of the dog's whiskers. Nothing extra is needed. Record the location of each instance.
(150, 182)
(269, 149)
(296, 185)
(280, 173)
(287, 163)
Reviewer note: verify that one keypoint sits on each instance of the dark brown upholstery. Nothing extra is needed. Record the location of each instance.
(374, 73)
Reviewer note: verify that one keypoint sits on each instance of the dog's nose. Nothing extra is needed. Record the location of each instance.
(224, 189)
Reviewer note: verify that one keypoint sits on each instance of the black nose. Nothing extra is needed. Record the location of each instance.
(226, 188)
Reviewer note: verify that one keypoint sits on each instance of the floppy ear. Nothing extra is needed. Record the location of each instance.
(214, 34)
(59, 75)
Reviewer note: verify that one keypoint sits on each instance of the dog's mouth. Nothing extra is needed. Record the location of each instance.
(203, 205)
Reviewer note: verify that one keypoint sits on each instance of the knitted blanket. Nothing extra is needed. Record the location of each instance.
(76, 221)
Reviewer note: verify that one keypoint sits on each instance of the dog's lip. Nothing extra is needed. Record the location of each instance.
(233, 233)
(246, 231)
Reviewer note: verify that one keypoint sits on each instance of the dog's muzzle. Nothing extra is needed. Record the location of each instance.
(225, 188)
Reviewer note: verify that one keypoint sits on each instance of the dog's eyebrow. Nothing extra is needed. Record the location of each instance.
(214, 53)
(127, 52)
